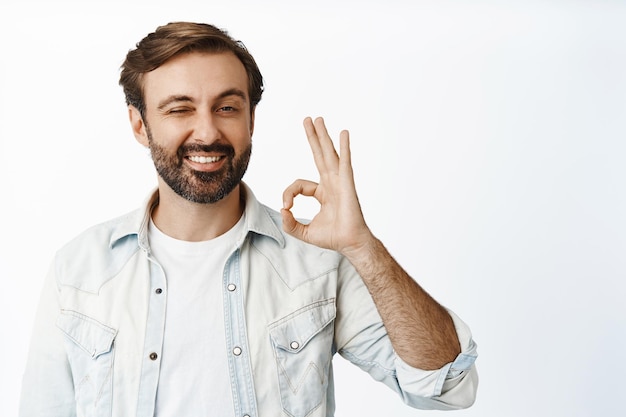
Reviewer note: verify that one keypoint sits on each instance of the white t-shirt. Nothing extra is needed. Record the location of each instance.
(194, 378)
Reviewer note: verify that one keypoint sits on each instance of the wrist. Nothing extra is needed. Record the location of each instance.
(364, 250)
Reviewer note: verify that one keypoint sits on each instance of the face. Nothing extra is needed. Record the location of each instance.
(198, 124)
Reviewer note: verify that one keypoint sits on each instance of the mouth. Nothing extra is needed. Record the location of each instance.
(205, 163)
(205, 159)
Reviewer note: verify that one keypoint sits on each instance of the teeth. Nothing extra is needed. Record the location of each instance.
(204, 159)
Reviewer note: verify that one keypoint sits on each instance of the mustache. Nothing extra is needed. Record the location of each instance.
(223, 148)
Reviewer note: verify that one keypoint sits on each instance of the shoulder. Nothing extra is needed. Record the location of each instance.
(97, 254)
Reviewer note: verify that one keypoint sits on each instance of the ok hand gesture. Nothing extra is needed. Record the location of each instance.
(339, 225)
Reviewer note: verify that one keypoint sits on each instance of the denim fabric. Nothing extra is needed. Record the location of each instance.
(288, 308)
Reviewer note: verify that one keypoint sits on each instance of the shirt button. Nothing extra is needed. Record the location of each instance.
(237, 351)
(231, 287)
(153, 356)
(158, 291)
(294, 345)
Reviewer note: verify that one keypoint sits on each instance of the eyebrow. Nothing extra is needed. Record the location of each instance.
(186, 99)
(234, 92)
(173, 99)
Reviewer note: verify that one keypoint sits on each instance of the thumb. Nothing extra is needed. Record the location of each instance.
(291, 226)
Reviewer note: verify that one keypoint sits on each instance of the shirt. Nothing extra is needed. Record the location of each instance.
(288, 308)
(194, 360)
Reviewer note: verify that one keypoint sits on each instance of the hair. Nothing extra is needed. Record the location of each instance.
(175, 39)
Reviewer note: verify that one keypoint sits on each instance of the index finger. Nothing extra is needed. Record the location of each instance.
(321, 144)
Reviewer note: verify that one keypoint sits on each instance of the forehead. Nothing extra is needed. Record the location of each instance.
(200, 75)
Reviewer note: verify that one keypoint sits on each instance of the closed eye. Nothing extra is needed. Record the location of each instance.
(178, 110)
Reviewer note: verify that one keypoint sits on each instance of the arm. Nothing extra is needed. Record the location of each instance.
(421, 331)
(47, 385)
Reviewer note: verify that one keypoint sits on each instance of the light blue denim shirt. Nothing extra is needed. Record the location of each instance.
(288, 308)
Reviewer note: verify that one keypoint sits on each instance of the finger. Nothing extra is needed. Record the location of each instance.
(314, 143)
(345, 162)
(326, 143)
(291, 226)
(298, 187)
(344, 150)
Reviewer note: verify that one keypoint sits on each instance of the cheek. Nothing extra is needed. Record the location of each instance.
(171, 136)
(243, 144)
(238, 135)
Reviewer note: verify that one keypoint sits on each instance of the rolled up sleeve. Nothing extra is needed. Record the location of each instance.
(362, 339)
(452, 386)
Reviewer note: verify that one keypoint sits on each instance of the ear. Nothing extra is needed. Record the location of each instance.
(252, 121)
(138, 125)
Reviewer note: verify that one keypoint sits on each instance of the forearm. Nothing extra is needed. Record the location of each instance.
(420, 329)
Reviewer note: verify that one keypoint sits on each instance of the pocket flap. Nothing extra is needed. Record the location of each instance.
(92, 336)
(293, 332)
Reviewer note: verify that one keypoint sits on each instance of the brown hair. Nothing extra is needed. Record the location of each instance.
(177, 38)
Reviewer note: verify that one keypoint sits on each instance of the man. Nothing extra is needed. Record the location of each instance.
(204, 301)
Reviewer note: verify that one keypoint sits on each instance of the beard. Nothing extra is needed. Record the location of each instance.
(197, 186)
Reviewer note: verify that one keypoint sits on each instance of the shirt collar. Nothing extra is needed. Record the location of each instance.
(259, 219)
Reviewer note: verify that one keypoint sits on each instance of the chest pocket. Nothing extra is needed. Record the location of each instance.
(303, 343)
(90, 350)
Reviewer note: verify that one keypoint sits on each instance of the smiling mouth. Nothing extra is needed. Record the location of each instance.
(205, 159)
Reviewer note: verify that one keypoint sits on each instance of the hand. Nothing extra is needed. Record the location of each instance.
(339, 225)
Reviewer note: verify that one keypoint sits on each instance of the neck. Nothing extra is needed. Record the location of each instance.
(194, 222)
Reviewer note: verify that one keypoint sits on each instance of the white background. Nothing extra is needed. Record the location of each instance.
(488, 144)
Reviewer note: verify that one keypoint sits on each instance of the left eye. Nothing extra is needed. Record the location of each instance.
(227, 108)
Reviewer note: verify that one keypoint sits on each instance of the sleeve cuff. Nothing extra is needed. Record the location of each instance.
(429, 384)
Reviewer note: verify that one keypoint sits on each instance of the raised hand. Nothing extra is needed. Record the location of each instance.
(339, 225)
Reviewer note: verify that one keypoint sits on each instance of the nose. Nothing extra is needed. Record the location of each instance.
(206, 128)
